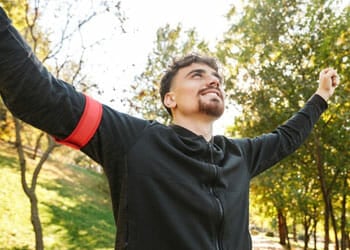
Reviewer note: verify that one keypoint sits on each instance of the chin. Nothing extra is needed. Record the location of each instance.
(214, 108)
(215, 111)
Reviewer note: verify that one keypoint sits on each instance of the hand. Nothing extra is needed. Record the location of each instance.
(329, 80)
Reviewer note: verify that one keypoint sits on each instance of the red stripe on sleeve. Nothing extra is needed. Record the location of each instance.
(87, 125)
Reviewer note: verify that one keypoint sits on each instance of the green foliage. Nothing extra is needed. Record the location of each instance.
(277, 50)
(6, 124)
(16, 9)
(272, 55)
(27, 18)
(74, 206)
(170, 43)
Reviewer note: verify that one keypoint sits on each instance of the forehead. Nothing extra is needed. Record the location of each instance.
(183, 72)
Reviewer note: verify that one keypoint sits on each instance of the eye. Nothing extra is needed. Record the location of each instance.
(197, 75)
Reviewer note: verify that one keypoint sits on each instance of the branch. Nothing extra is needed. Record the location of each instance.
(32, 24)
(37, 145)
(21, 156)
(51, 146)
(65, 36)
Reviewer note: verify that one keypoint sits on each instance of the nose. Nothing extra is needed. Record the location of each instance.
(214, 81)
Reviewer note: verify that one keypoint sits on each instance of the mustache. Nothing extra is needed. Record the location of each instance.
(211, 88)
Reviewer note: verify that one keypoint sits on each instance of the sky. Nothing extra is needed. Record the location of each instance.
(124, 55)
(127, 52)
(121, 56)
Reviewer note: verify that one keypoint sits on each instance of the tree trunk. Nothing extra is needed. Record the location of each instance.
(335, 227)
(30, 190)
(295, 236)
(286, 230)
(306, 224)
(325, 193)
(343, 243)
(315, 238)
(30, 193)
(35, 219)
(283, 229)
(314, 227)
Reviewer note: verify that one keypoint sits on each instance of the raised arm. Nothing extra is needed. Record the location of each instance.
(30, 92)
(266, 150)
(35, 96)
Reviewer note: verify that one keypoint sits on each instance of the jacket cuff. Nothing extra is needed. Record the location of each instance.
(318, 101)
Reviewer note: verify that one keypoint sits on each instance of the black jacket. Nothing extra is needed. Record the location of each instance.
(170, 188)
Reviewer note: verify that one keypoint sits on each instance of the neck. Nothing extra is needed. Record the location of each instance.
(197, 126)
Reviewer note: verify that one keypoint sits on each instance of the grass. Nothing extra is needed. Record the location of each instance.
(75, 209)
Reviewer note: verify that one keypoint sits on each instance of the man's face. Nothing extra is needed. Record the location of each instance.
(197, 89)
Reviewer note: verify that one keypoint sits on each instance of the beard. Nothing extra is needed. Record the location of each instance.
(212, 108)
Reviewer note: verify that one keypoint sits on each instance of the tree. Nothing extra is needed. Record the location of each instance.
(272, 55)
(28, 23)
(170, 43)
(277, 49)
(29, 189)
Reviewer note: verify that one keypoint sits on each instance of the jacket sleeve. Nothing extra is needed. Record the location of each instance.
(35, 96)
(266, 150)
(30, 92)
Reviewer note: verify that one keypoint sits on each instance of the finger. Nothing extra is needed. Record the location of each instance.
(326, 70)
(333, 76)
(335, 80)
(325, 73)
(331, 73)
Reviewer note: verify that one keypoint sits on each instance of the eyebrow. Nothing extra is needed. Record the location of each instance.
(216, 74)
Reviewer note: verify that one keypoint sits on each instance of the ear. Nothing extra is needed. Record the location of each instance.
(169, 100)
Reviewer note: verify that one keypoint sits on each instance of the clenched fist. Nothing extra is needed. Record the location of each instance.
(329, 80)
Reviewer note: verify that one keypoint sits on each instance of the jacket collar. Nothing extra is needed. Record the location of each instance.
(186, 132)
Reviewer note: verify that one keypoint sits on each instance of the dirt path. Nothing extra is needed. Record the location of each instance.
(261, 242)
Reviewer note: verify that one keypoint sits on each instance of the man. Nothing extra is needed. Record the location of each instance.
(172, 187)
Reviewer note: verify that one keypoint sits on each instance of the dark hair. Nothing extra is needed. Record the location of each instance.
(172, 70)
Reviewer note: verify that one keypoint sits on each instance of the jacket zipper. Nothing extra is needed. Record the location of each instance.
(218, 242)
